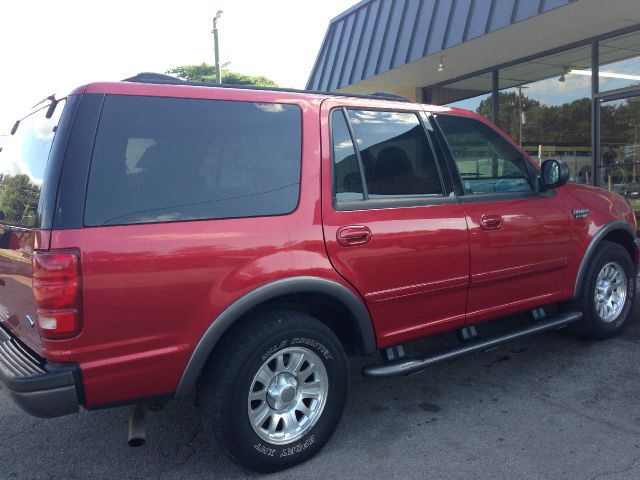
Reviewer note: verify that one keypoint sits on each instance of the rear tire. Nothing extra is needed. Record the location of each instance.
(274, 391)
(608, 293)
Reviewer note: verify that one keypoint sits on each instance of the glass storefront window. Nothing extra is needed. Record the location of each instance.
(545, 106)
(471, 94)
(480, 104)
(620, 148)
(620, 62)
(547, 109)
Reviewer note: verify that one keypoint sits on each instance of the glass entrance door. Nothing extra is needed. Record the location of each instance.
(620, 147)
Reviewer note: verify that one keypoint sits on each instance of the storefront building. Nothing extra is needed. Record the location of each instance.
(561, 77)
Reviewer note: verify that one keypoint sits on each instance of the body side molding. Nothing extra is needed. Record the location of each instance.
(593, 244)
(266, 292)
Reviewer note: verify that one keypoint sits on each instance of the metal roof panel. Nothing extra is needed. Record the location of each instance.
(375, 36)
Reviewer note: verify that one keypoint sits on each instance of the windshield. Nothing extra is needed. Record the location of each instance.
(22, 165)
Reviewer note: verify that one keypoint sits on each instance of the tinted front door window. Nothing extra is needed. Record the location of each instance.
(486, 161)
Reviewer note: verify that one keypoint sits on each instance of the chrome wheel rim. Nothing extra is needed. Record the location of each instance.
(611, 291)
(287, 395)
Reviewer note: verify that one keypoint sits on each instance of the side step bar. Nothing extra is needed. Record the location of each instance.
(408, 366)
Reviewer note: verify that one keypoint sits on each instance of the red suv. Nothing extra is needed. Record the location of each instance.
(163, 239)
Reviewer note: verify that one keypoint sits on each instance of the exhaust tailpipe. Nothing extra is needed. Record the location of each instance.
(138, 425)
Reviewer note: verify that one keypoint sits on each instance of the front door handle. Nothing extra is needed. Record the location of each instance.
(353, 235)
(491, 222)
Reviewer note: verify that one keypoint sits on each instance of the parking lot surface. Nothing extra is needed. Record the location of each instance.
(548, 407)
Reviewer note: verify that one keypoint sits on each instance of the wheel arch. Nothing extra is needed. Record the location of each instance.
(618, 232)
(282, 292)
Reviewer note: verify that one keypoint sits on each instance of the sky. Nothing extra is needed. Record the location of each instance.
(53, 46)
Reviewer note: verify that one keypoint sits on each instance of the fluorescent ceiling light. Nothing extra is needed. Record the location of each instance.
(623, 76)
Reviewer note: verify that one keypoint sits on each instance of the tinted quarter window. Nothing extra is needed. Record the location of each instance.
(486, 161)
(346, 174)
(22, 166)
(396, 155)
(168, 159)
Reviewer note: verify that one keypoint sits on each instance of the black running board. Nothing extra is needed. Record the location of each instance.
(408, 366)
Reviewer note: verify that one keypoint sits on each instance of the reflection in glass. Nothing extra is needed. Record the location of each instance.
(619, 148)
(22, 165)
(546, 109)
(396, 158)
(620, 62)
(470, 94)
(480, 104)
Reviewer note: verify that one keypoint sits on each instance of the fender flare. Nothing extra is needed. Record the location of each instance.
(593, 244)
(260, 295)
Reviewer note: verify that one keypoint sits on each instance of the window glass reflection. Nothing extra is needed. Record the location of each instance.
(620, 62)
(620, 149)
(546, 109)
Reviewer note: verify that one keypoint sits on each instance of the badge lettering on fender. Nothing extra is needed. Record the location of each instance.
(581, 212)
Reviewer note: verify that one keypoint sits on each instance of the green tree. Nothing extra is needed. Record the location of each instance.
(18, 199)
(206, 73)
(566, 124)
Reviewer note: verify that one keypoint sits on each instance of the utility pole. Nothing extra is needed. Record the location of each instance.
(215, 45)
(520, 112)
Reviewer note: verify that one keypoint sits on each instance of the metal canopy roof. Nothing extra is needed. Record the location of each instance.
(376, 36)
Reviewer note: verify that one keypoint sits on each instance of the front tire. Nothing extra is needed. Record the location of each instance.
(274, 391)
(608, 293)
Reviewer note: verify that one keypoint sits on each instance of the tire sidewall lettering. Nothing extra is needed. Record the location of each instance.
(313, 344)
(286, 451)
(274, 349)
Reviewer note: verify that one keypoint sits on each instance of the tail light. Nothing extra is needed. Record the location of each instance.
(57, 292)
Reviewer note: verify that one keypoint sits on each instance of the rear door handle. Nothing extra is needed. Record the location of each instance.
(491, 222)
(353, 235)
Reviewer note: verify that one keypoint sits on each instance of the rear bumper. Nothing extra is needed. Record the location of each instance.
(40, 388)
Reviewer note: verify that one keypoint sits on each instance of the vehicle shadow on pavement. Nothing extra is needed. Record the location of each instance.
(543, 407)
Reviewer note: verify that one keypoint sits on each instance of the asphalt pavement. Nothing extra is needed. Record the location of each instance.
(548, 407)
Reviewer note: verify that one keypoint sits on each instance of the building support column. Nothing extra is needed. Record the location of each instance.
(495, 88)
(595, 115)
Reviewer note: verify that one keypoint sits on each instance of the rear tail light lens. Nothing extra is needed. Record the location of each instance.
(58, 323)
(56, 289)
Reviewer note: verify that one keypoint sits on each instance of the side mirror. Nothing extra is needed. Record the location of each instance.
(553, 174)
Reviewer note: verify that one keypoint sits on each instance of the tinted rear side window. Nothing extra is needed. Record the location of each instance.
(169, 159)
(396, 156)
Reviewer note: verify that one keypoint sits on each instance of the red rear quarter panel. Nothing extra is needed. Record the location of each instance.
(150, 291)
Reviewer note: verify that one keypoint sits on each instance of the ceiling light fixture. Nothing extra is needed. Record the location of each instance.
(441, 64)
(565, 70)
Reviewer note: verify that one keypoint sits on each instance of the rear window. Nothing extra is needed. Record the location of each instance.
(169, 159)
(23, 161)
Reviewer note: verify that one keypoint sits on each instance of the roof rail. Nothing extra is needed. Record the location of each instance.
(390, 96)
(160, 78)
(151, 77)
